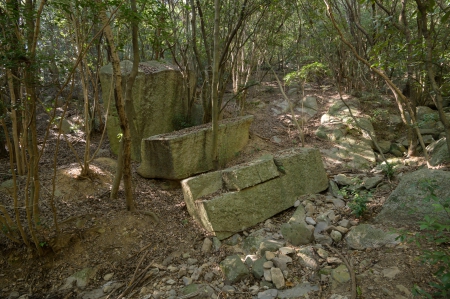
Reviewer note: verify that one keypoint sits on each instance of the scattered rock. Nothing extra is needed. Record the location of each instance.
(270, 245)
(372, 182)
(366, 236)
(391, 272)
(336, 236)
(277, 277)
(207, 244)
(297, 233)
(108, 276)
(258, 268)
(343, 180)
(287, 250)
(268, 294)
(299, 291)
(80, 278)
(339, 276)
(234, 270)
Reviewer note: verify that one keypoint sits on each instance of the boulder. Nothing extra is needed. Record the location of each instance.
(407, 205)
(187, 152)
(158, 101)
(366, 236)
(225, 212)
(438, 152)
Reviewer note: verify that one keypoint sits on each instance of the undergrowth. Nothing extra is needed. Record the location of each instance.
(435, 229)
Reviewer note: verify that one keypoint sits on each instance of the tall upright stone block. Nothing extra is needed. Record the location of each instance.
(157, 102)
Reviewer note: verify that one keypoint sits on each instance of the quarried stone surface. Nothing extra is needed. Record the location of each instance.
(225, 212)
(157, 102)
(181, 154)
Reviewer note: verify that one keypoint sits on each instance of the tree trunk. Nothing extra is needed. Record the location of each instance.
(215, 86)
(120, 106)
(422, 22)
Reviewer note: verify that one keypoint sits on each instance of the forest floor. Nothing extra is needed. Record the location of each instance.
(99, 233)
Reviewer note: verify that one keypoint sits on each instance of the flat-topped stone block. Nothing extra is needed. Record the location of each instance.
(243, 176)
(224, 211)
(183, 153)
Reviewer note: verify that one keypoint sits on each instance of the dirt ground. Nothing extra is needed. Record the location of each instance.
(98, 232)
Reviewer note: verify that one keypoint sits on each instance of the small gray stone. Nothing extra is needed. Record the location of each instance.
(344, 223)
(270, 245)
(372, 182)
(310, 209)
(269, 255)
(343, 180)
(268, 294)
(233, 240)
(338, 203)
(334, 189)
(228, 289)
(14, 295)
(299, 291)
(196, 274)
(322, 253)
(339, 276)
(323, 239)
(267, 275)
(258, 268)
(157, 294)
(310, 221)
(391, 272)
(108, 276)
(297, 233)
(336, 236)
(233, 269)
(296, 203)
(250, 259)
(187, 280)
(404, 290)
(287, 250)
(170, 281)
(208, 276)
(277, 278)
(207, 244)
(268, 265)
(192, 261)
(216, 243)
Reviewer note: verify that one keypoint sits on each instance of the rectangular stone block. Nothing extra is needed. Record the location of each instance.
(300, 171)
(199, 186)
(181, 154)
(250, 174)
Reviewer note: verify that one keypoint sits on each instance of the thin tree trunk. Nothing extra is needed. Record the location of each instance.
(215, 87)
(438, 100)
(401, 99)
(120, 105)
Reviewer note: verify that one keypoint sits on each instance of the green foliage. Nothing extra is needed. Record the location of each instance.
(388, 169)
(359, 198)
(436, 231)
(314, 72)
(359, 203)
(379, 114)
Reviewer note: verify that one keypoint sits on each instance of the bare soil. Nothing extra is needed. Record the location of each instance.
(97, 232)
